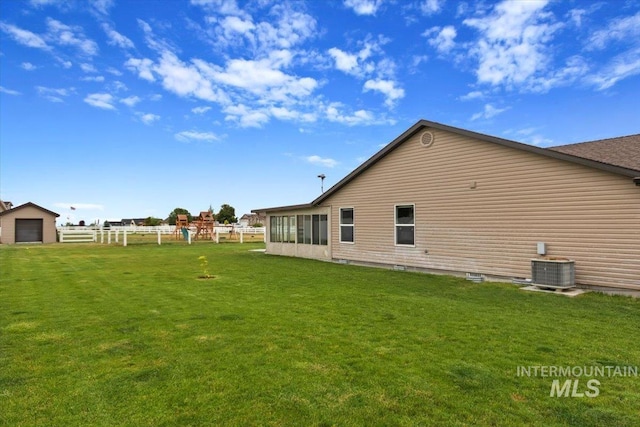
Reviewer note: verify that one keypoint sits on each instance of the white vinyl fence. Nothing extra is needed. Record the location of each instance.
(73, 234)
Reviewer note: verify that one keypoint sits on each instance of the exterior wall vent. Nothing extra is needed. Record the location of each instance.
(426, 139)
(553, 273)
(475, 277)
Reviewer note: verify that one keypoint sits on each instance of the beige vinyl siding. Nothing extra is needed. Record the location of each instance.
(520, 198)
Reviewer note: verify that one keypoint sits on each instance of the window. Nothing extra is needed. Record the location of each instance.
(405, 225)
(346, 225)
(273, 229)
(312, 229)
(292, 229)
(282, 229)
(323, 230)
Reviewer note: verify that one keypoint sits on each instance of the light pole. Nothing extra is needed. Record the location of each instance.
(322, 177)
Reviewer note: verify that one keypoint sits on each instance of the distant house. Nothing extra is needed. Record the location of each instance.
(133, 221)
(444, 199)
(249, 220)
(28, 223)
(5, 205)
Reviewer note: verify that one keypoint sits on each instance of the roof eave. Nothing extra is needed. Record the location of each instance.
(283, 208)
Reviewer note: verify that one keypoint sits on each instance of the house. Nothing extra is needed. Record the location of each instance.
(447, 200)
(133, 222)
(28, 223)
(5, 205)
(249, 220)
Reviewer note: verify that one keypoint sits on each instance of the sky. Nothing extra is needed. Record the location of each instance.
(130, 109)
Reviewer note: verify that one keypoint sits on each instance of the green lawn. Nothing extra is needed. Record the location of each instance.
(96, 335)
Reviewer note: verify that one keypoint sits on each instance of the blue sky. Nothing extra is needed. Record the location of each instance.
(133, 108)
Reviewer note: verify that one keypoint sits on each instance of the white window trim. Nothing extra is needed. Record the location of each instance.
(396, 225)
(353, 226)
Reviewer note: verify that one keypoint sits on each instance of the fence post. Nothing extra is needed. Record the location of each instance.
(116, 231)
(101, 236)
(241, 236)
(189, 236)
(109, 237)
(159, 241)
(217, 237)
(61, 236)
(124, 237)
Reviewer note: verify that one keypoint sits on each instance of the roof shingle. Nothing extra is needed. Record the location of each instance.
(623, 151)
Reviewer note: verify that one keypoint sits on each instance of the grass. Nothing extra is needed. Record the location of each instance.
(107, 335)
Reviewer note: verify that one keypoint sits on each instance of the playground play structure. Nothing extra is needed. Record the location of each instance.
(202, 227)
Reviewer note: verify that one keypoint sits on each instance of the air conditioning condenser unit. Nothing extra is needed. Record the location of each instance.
(556, 273)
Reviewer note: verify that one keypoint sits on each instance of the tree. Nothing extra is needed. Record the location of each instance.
(227, 214)
(152, 222)
(178, 211)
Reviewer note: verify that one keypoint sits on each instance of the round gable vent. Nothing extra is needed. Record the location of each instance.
(426, 139)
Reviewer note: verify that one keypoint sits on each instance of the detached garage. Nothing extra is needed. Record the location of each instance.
(28, 223)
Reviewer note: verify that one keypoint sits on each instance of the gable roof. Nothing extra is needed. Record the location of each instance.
(621, 151)
(29, 204)
(623, 168)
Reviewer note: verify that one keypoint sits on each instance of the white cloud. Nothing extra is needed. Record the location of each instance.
(100, 100)
(190, 135)
(65, 35)
(130, 100)
(102, 6)
(360, 117)
(117, 86)
(148, 118)
(114, 71)
(24, 37)
(142, 66)
(621, 29)
(261, 78)
(620, 67)
(28, 66)
(363, 7)
(117, 39)
(429, 7)
(476, 94)
(344, 61)
(320, 161)
(387, 88)
(53, 94)
(88, 68)
(200, 110)
(224, 7)
(576, 16)
(444, 39)
(245, 116)
(488, 112)
(9, 91)
(360, 64)
(289, 26)
(512, 50)
(186, 80)
(98, 79)
(234, 24)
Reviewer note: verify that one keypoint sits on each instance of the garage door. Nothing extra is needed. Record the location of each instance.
(28, 230)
